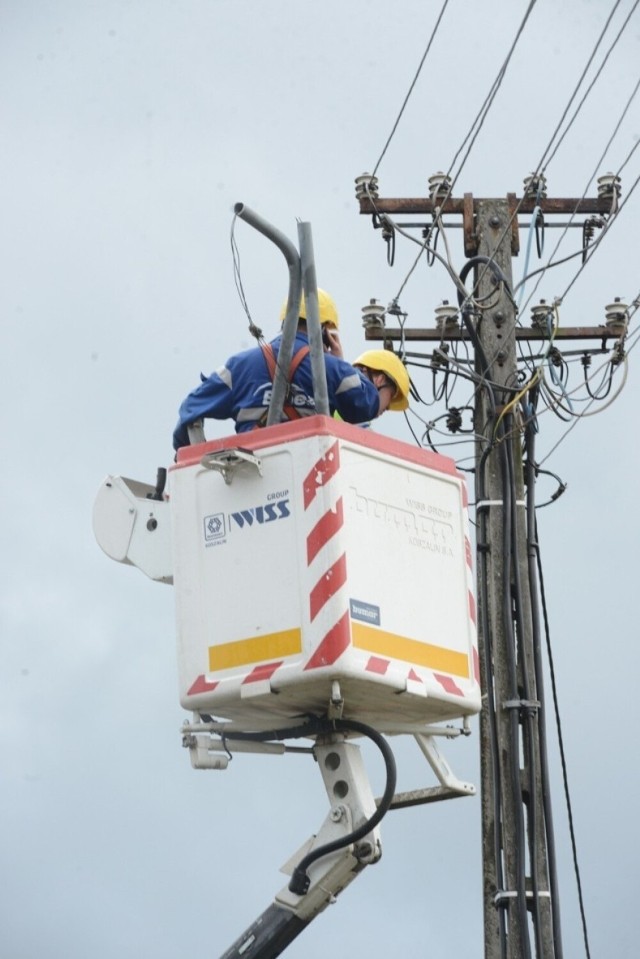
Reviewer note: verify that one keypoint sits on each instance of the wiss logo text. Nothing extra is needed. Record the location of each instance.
(261, 514)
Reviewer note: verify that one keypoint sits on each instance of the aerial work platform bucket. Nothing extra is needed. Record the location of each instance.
(317, 553)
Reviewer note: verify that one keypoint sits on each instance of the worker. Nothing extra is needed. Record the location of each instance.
(241, 389)
(381, 366)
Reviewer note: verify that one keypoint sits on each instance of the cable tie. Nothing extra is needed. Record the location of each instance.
(532, 705)
(504, 894)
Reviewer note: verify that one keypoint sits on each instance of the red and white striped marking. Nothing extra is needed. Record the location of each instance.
(333, 572)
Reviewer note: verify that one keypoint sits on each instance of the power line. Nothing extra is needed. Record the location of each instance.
(616, 208)
(593, 82)
(566, 110)
(413, 83)
(486, 106)
(563, 761)
(479, 121)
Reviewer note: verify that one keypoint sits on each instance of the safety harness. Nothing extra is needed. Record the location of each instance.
(270, 359)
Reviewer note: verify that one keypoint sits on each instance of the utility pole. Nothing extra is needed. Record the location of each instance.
(520, 894)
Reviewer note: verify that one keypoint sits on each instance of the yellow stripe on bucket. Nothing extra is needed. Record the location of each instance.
(258, 649)
(409, 650)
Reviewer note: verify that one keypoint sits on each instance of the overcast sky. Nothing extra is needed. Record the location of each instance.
(130, 129)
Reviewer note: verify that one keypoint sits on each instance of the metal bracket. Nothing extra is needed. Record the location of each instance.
(336, 702)
(441, 767)
(196, 433)
(450, 786)
(227, 461)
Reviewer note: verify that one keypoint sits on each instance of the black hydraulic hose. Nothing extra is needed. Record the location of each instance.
(311, 727)
(315, 727)
(532, 553)
(300, 881)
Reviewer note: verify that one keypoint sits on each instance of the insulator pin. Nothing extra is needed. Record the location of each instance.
(540, 315)
(440, 186)
(446, 317)
(366, 187)
(373, 316)
(609, 185)
(617, 317)
(535, 185)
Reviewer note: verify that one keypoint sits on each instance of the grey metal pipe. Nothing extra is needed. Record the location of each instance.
(290, 324)
(316, 350)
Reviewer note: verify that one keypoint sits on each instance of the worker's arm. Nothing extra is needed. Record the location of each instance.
(356, 398)
(213, 398)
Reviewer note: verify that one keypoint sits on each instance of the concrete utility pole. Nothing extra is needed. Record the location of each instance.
(520, 895)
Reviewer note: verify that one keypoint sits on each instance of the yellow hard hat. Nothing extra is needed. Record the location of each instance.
(384, 361)
(326, 308)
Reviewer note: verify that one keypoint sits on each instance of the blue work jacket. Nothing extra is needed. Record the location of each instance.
(241, 390)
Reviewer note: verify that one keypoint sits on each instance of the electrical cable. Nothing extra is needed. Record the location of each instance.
(630, 100)
(585, 413)
(605, 384)
(543, 159)
(508, 513)
(589, 402)
(486, 106)
(558, 493)
(499, 275)
(594, 80)
(563, 760)
(532, 547)
(540, 166)
(542, 269)
(413, 83)
(523, 693)
(588, 252)
(437, 220)
(554, 404)
(479, 121)
(411, 430)
(536, 212)
(488, 685)
(237, 276)
(629, 155)
(603, 234)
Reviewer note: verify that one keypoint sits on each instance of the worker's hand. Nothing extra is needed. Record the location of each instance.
(332, 342)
